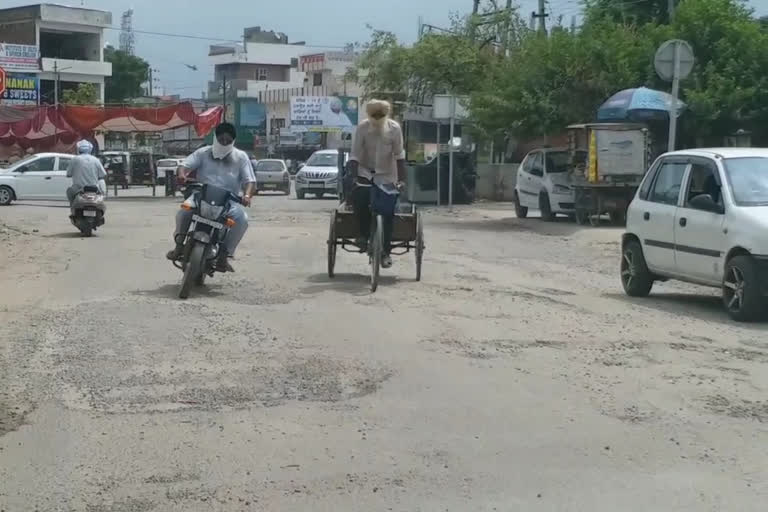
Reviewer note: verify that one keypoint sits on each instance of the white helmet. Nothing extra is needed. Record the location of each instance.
(84, 147)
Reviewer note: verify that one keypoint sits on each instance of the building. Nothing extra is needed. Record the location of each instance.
(260, 78)
(69, 42)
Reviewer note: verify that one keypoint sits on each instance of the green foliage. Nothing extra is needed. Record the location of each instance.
(128, 73)
(628, 12)
(85, 94)
(548, 82)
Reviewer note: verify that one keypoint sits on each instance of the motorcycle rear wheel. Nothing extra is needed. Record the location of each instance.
(193, 270)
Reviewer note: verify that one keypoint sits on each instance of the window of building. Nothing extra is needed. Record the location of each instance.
(317, 79)
(262, 74)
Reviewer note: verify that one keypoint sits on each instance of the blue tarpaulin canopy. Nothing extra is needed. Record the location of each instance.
(640, 104)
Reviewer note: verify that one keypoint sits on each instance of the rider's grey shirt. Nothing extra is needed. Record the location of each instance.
(230, 173)
(85, 170)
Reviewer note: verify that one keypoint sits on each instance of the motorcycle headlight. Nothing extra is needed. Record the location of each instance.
(210, 211)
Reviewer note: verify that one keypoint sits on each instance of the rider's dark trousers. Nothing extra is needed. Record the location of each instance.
(361, 202)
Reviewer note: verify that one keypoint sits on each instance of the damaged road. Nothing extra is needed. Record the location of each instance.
(515, 376)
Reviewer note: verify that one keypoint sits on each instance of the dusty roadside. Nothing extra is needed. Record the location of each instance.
(516, 376)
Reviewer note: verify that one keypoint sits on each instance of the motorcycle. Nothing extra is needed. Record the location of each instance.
(87, 210)
(209, 227)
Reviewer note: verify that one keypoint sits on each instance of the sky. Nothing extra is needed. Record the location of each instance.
(318, 22)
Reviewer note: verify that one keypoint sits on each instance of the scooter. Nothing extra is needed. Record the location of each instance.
(87, 210)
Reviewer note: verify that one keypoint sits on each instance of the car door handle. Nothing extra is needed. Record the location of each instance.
(48, 177)
(647, 216)
(683, 221)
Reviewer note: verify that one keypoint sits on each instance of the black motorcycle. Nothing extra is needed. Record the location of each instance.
(210, 224)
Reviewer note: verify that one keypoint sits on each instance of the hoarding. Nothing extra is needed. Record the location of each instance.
(19, 57)
(250, 122)
(324, 113)
(20, 89)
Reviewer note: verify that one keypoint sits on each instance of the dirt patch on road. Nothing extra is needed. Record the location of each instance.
(737, 408)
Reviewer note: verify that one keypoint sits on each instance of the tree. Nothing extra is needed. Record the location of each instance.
(128, 74)
(623, 11)
(728, 88)
(85, 94)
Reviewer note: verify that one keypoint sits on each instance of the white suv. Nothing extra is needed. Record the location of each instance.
(544, 183)
(701, 216)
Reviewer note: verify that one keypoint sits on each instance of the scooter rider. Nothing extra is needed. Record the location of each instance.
(85, 170)
(224, 166)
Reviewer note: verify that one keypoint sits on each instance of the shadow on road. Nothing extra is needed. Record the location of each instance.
(171, 291)
(356, 284)
(43, 205)
(68, 234)
(701, 306)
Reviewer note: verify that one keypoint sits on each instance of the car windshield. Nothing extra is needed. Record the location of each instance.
(748, 178)
(273, 166)
(323, 160)
(558, 161)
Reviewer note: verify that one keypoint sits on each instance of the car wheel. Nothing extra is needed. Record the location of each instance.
(545, 208)
(636, 279)
(741, 289)
(520, 211)
(6, 195)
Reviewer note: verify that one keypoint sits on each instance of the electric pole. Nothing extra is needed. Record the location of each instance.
(542, 15)
(671, 9)
(56, 83)
(150, 82)
(224, 94)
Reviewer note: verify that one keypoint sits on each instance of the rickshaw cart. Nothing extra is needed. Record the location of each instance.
(609, 162)
(407, 233)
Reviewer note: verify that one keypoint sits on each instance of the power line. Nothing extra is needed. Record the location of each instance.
(213, 39)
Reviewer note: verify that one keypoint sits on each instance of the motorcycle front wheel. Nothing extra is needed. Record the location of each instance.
(193, 269)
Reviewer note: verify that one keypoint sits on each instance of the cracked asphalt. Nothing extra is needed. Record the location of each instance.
(515, 376)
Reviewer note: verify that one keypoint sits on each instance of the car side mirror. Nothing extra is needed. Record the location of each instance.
(301, 166)
(537, 171)
(706, 203)
(22, 169)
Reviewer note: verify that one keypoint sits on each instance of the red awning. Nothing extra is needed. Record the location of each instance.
(47, 128)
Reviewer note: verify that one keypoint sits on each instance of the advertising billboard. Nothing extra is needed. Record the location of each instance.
(250, 122)
(19, 57)
(324, 113)
(20, 89)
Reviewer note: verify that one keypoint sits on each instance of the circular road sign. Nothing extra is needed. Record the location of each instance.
(2, 81)
(664, 62)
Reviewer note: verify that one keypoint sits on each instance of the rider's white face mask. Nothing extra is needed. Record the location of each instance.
(221, 151)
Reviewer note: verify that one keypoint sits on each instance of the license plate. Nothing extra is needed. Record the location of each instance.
(269, 185)
(318, 184)
(203, 220)
(89, 213)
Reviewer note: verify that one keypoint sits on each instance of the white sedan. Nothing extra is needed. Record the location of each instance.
(38, 177)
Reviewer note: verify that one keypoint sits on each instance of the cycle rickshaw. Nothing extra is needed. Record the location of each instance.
(407, 234)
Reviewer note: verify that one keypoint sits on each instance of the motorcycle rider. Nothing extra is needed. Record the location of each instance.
(224, 166)
(85, 170)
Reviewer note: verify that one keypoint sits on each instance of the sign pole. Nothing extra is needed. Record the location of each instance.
(450, 152)
(675, 94)
(438, 162)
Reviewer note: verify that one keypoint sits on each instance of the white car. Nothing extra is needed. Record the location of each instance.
(544, 183)
(272, 174)
(38, 177)
(701, 216)
(165, 165)
(320, 175)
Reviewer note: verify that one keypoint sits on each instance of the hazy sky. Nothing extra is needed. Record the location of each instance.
(326, 22)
